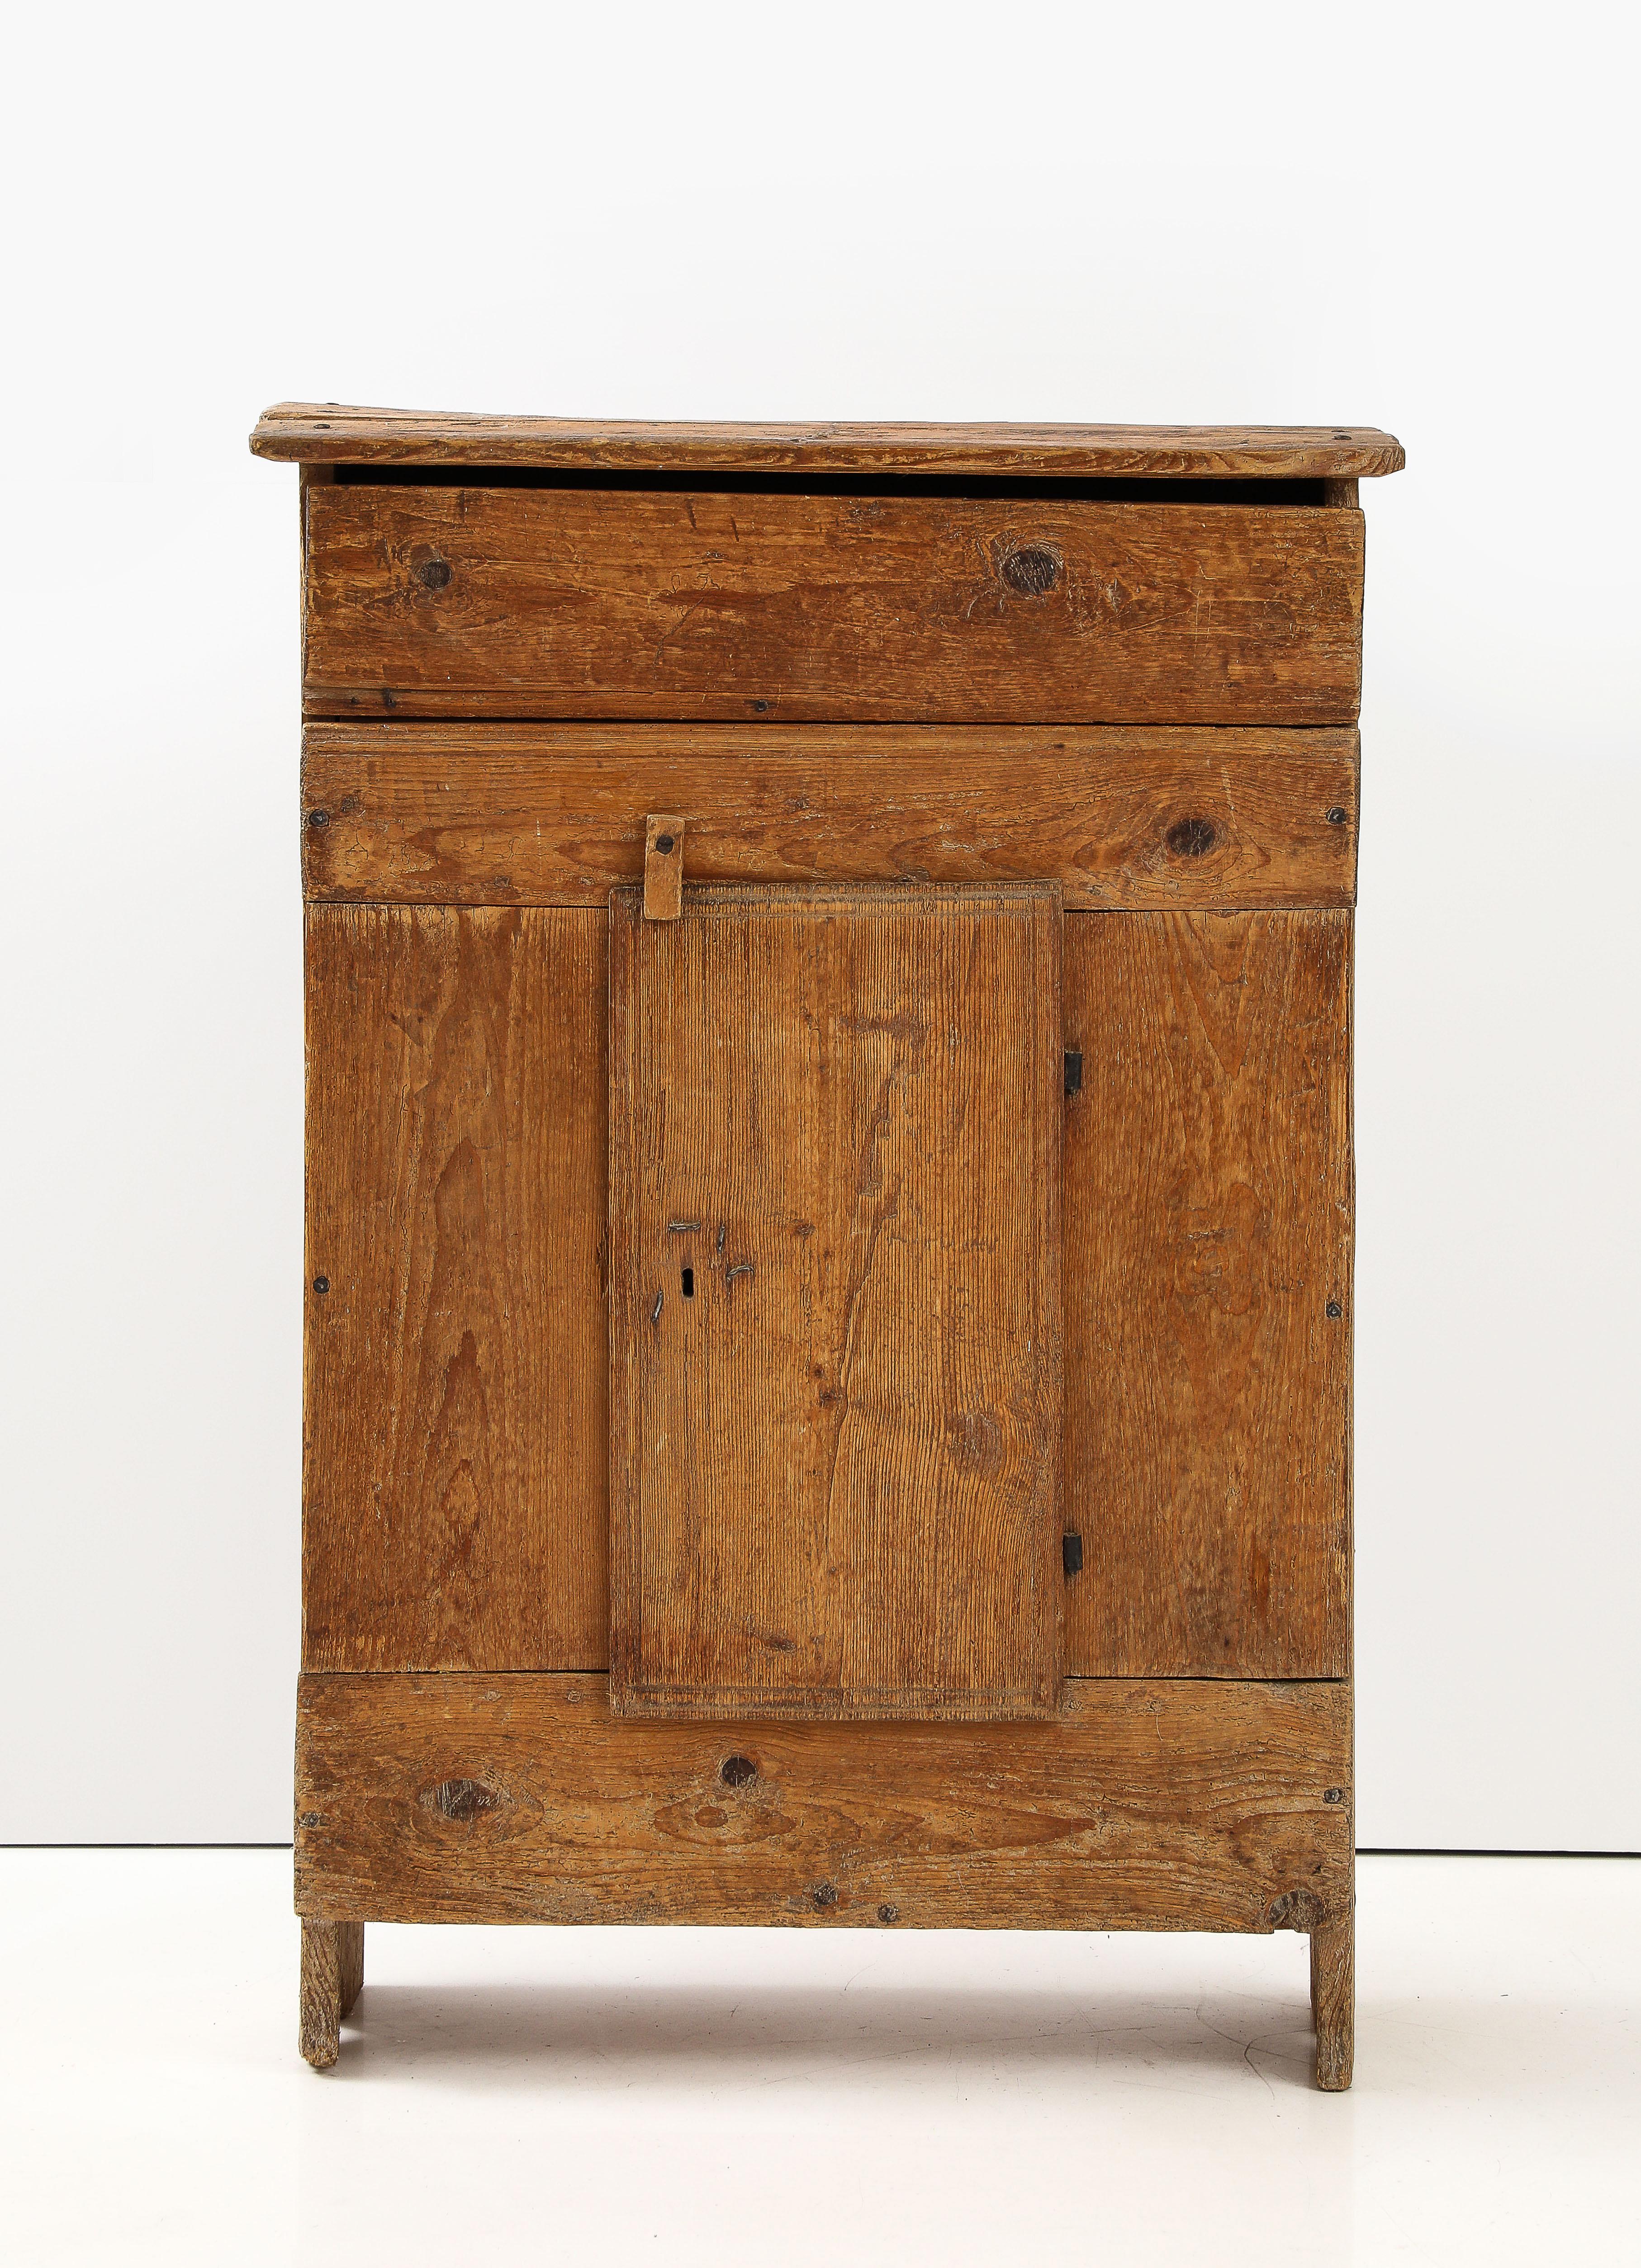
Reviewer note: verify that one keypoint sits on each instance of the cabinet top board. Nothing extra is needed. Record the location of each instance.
(329, 432)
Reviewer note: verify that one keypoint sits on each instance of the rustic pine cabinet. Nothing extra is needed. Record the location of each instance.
(829, 1185)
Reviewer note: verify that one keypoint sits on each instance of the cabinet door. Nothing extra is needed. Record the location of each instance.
(836, 1119)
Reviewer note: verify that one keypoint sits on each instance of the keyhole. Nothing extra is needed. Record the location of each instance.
(689, 1283)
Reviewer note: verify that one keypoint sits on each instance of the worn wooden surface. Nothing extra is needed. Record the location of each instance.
(1188, 1804)
(1208, 1198)
(456, 1429)
(835, 1403)
(545, 602)
(554, 814)
(1333, 1998)
(332, 1973)
(314, 431)
(350, 1962)
(663, 865)
(1208, 1195)
(1208, 1223)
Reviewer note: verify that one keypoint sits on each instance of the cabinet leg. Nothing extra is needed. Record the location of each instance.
(350, 1942)
(1332, 2000)
(333, 1971)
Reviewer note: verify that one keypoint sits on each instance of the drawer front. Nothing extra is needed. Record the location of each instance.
(425, 601)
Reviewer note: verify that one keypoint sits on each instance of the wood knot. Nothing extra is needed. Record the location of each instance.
(888, 1913)
(435, 573)
(1300, 1909)
(1031, 571)
(461, 1799)
(736, 1771)
(974, 1440)
(825, 1894)
(1192, 838)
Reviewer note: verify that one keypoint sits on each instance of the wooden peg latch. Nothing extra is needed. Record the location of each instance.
(663, 866)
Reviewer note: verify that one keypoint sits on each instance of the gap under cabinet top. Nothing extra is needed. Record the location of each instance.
(329, 432)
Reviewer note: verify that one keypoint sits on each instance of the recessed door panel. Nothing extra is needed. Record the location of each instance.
(834, 1155)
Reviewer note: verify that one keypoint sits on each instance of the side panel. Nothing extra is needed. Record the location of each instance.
(455, 1452)
(835, 1167)
(1208, 1228)
(1195, 1804)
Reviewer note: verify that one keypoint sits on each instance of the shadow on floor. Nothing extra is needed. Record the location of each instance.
(485, 2035)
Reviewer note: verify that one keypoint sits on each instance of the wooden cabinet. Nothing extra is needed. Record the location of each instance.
(830, 1184)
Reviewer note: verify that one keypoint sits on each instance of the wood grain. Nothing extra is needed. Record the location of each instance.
(332, 1972)
(554, 814)
(553, 602)
(663, 866)
(321, 431)
(835, 1166)
(1333, 1998)
(1208, 1193)
(350, 1962)
(1188, 1804)
(456, 1431)
(1208, 1210)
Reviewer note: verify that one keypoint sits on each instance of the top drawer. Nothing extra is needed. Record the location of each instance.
(571, 602)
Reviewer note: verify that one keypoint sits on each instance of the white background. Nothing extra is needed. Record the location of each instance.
(1417, 216)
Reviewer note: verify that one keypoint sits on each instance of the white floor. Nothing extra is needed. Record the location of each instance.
(790, 2097)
